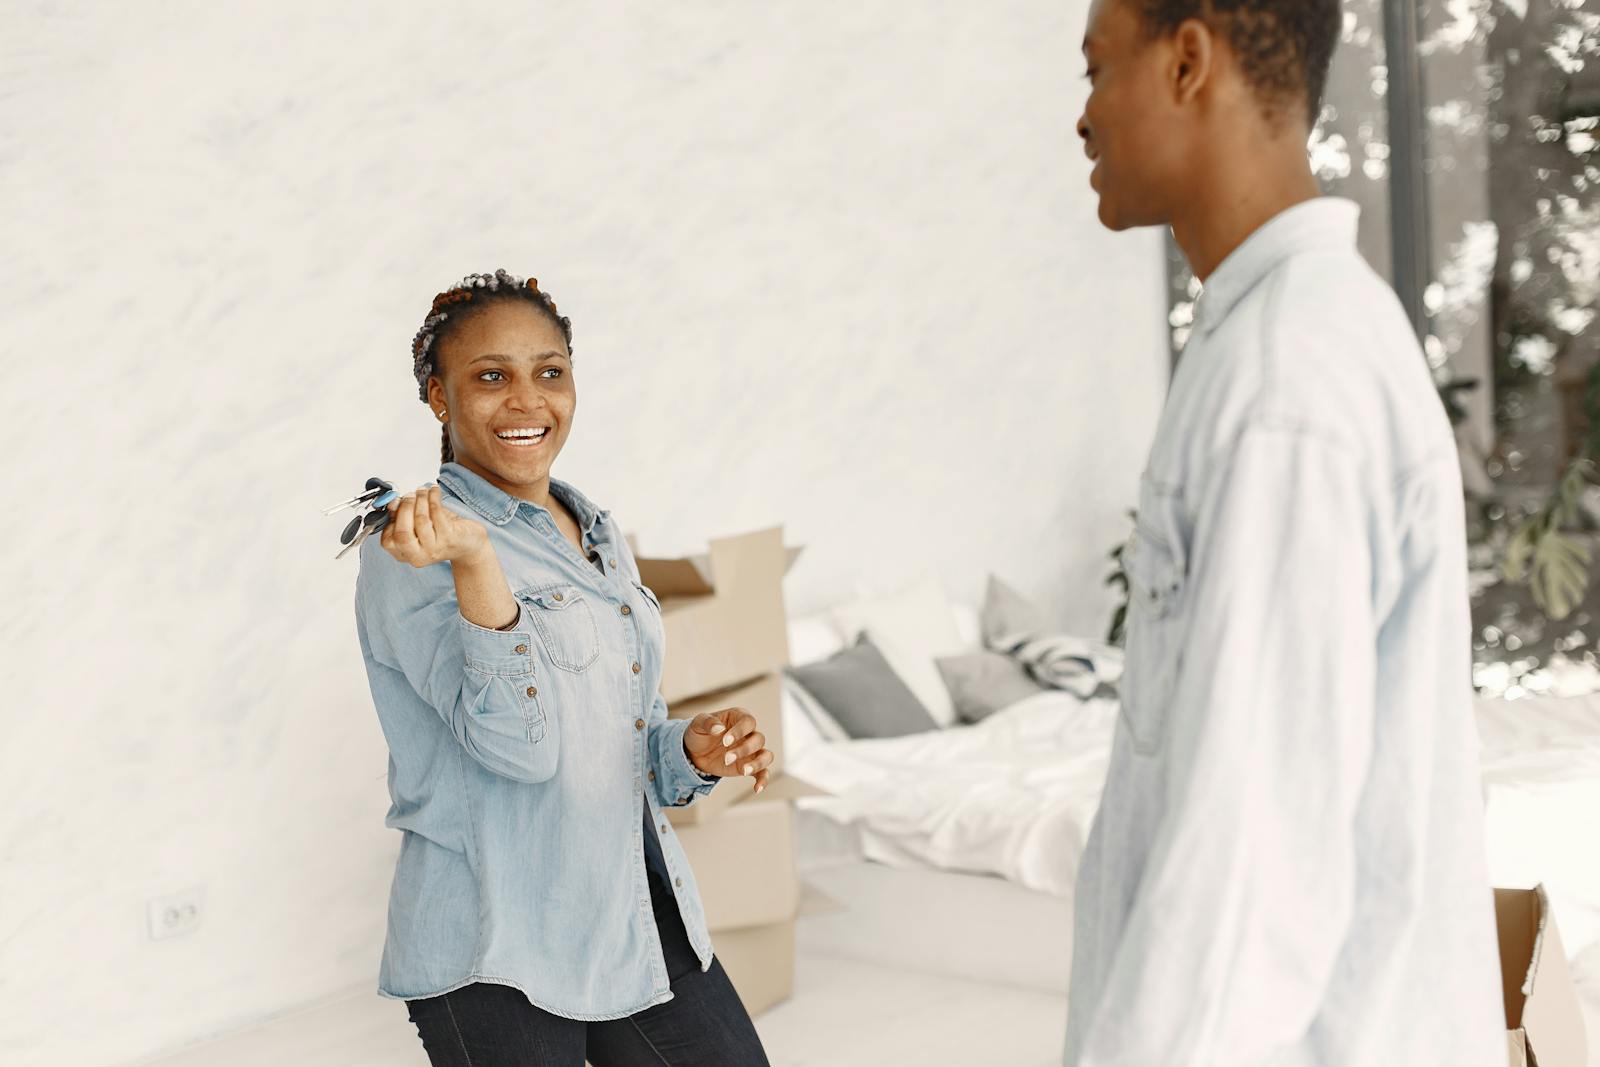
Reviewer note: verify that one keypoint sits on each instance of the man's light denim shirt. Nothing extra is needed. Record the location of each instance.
(1288, 863)
(526, 765)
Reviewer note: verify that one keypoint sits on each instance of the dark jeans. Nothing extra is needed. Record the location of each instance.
(485, 1024)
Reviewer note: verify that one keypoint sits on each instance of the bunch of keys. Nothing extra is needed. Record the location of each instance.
(376, 498)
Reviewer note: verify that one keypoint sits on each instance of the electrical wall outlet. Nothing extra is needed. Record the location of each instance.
(178, 913)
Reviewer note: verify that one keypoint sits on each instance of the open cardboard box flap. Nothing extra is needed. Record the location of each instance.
(723, 615)
(719, 569)
(1544, 1024)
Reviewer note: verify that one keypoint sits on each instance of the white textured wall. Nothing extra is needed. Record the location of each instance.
(830, 265)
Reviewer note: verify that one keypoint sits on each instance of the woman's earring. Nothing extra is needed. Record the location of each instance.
(442, 414)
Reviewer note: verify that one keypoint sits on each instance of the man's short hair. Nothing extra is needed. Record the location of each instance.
(1284, 46)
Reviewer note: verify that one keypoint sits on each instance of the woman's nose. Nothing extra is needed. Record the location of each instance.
(527, 398)
(1083, 129)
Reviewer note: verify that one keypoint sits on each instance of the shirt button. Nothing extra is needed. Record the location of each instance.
(637, 668)
(638, 724)
(652, 776)
(663, 827)
(520, 649)
(678, 882)
(611, 562)
(533, 690)
(627, 610)
(558, 596)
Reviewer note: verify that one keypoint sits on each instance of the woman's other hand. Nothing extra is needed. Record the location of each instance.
(726, 744)
(422, 531)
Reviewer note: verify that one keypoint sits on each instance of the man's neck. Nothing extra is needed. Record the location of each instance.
(1236, 203)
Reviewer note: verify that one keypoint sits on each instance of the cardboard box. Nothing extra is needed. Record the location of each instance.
(783, 787)
(723, 612)
(1543, 1020)
(763, 698)
(759, 961)
(741, 791)
(744, 864)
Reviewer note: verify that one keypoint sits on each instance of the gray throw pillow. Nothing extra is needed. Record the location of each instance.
(981, 683)
(862, 692)
(1007, 613)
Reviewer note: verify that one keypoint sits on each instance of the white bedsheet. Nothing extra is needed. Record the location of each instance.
(1015, 795)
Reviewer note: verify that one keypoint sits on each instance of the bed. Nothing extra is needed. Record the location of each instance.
(1008, 802)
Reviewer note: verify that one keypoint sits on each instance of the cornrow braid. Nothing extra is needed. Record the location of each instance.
(476, 291)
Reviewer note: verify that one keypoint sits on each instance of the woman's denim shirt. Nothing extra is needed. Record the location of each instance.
(526, 766)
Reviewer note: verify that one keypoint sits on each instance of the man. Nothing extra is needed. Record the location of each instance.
(1288, 864)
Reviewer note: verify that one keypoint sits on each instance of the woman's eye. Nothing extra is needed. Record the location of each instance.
(550, 372)
(490, 372)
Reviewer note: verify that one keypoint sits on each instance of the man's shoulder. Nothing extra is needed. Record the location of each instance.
(1339, 353)
(1337, 289)
(1320, 346)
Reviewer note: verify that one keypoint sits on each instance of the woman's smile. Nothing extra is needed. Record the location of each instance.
(523, 438)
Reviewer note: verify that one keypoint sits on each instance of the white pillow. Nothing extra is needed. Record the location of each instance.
(813, 638)
(912, 627)
(968, 625)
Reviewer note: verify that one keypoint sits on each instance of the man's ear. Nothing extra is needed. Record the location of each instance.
(1194, 54)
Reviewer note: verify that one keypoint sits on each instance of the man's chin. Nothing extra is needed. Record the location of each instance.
(1117, 216)
(1110, 217)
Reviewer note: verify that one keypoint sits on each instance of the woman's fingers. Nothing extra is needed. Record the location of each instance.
(749, 746)
(758, 763)
(749, 764)
(424, 521)
(740, 723)
(761, 780)
(422, 531)
(403, 521)
(400, 530)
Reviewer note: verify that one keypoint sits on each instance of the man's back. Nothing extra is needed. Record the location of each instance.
(1288, 863)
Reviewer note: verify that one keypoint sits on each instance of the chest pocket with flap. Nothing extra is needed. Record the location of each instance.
(565, 624)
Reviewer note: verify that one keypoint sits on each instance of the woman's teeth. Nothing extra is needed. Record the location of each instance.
(522, 438)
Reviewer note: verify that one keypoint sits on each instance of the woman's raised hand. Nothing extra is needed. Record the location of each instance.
(421, 531)
(726, 744)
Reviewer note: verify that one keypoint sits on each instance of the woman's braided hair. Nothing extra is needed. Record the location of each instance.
(476, 291)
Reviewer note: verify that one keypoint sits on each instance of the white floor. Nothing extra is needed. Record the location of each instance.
(895, 975)
(907, 967)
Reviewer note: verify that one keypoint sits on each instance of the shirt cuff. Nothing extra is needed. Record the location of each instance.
(683, 777)
(506, 652)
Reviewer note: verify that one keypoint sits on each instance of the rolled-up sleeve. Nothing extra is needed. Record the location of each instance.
(677, 782)
(1246, 899)
(480, 681)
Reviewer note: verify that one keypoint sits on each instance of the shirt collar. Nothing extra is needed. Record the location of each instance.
(498, 506)
(1324, 221)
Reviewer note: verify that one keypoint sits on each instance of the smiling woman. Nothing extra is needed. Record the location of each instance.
(541, 910)
(504, 305)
